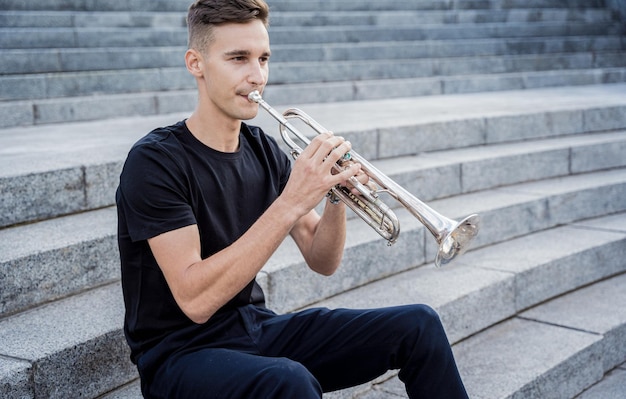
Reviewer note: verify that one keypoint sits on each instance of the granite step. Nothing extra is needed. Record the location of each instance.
(482, 302)
(60, 258)
(23, 38)
(58, 19)
(352, 5)
(611, 386)
(79, 251)
(144, 19)
(165, 79)
(100, 107)
(543, 167)
(296, 5)
(57, 60)
(506, 213)
(61, 169)
(520, 356)
(516, 357)
(74, 347)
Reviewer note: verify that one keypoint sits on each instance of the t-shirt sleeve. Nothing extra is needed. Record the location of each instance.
(154, 193)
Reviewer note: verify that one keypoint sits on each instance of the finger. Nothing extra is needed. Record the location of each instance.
(339, 150)
(363, 177)
(330, 144)
(345, 175)
(314, 146)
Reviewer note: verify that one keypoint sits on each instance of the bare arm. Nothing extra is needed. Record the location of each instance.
(321, 239)
(202, 286)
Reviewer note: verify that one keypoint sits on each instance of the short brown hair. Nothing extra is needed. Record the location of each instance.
(203, 15)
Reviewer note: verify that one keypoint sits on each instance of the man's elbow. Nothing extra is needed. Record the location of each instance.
(194, 312)
(325, 269)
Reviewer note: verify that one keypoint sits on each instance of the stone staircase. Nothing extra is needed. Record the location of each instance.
(513, 109)
(86, 60)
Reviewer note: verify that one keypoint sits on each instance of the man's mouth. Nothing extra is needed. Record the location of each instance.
(247, 93)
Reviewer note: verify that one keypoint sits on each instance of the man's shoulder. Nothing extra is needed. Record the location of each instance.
(162, 135)
(161, 145)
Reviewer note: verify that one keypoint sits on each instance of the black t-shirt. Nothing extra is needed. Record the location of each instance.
(171, 180)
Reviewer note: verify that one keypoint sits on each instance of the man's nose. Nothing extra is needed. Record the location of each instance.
(258, 73)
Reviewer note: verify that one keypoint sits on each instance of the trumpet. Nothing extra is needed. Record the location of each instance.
(453, 237)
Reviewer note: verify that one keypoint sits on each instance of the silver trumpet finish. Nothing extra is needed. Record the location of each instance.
(453, 237)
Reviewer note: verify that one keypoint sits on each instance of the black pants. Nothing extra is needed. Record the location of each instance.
(256, 354)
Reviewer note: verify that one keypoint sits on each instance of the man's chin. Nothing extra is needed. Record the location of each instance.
(247, 115)
(250, 112)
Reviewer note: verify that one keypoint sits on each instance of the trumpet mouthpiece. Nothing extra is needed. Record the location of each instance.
(254, 96)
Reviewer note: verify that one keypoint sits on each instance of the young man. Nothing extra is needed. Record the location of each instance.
(202, 206)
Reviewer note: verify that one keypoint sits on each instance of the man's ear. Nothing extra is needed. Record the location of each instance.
(193, 61)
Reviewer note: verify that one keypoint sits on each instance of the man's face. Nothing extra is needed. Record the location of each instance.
(236, 63)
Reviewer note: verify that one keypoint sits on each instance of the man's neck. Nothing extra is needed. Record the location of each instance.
(223, 137)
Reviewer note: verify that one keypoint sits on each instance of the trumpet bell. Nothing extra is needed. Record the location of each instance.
(457, 241)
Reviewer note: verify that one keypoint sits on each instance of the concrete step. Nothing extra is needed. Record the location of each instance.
(57, 60)
(88, 40)
(22, 38)
(296, 5)
(311, 72)
(101, 5)
(520, 356)
(451, 16)
(352, 5)
(506, 213)
(60, 169)
(98, 107)
(79, 251)
(480, 280)
(74, 347)
(611, 386)
(77, 84)
(50, 19)
(544, 169)
(517, 356)
(144, 19)
(61, 257)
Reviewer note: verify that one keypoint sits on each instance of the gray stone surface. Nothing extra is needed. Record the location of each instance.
(130, 391)
(486, 47)
(608, 223)
(15, 382)
(595, 309)
(454, 291)
(518, 359)
(443, 148)
(20, 61)
(554, 261)
(532, 268)
(289, 284)
(73, 346)
(570, 198)
(52, 259)
(597, 156)
(85, 176)
(612, 386)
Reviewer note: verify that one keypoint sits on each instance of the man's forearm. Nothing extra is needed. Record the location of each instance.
(329, 239)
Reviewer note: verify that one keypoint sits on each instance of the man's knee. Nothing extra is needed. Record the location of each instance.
(284, 378)
(423, 323)
(421, 318)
